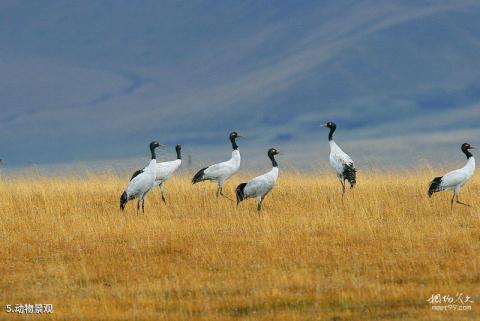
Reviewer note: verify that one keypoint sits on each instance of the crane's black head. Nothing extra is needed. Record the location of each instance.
(154, 145)
(271, 154)
(465, 149)
(233, 137)
(467, 146)
(332, 127)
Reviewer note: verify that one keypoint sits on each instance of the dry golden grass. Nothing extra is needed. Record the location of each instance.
(378, 256)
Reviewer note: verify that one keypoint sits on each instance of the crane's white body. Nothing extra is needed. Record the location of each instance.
(339, 159)
(260, 186)
(222, 171)
(143, 183)
(165, 170)
(454, 180)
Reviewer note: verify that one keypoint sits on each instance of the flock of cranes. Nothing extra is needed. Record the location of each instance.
(156, 174)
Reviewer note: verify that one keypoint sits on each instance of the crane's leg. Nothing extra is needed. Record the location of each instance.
(218, 190)
(143, 206)
(138, 206)
(161, 193)
(463, 203)
(343, 186)
(221, 193)
(458, 201)
(451, 202)
(259, 204)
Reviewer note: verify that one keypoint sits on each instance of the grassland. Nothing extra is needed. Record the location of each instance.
(379, 255)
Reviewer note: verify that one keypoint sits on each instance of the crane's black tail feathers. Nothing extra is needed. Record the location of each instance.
(435, 186)
(240, 192)
(140, 171)
(350, 174)
(199, 176)
(123, 200)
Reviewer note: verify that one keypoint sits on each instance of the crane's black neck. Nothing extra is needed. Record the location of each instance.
(274, 161)
(330, 134)
(152, 151)
(179, 153)
(234, 143)
(467, 152)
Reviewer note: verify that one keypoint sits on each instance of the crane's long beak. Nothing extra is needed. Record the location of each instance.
(324, 125)
(472, 147)
(161, 145)
(240, 136)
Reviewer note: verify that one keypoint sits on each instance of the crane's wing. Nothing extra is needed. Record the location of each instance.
(340, 161)
(344, 166)
(258, 186)
(140, 184)
(216, 170)
(166, 169)
(453, 178)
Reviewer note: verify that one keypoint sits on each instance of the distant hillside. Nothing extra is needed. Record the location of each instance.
(96, 80)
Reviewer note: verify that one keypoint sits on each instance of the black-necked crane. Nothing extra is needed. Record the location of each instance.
(454, 180)
(220, 172)
(142, 181)
(259, 186)
(340, 161)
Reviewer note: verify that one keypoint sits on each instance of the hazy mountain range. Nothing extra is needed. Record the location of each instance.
(95, 81)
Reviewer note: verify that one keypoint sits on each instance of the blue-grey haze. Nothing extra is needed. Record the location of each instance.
(93, 81)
